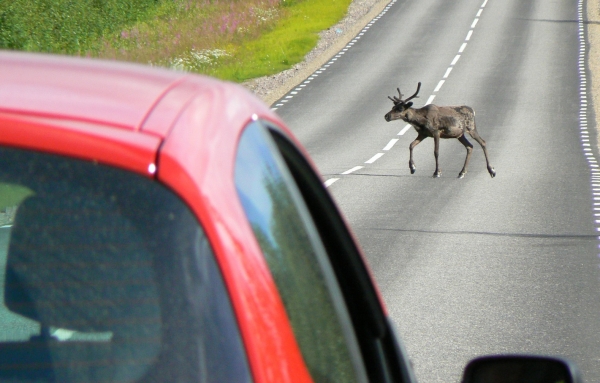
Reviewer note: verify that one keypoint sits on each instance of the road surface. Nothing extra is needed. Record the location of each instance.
(476, 265)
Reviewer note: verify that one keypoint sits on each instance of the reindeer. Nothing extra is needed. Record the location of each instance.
(438, 122)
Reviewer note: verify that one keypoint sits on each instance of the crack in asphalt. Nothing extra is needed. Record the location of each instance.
(587, 237)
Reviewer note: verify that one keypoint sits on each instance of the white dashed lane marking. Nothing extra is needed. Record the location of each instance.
(330, 181)
(405, 129)
(391, 143)
(374, 158)
(353, 169)
(439, 86)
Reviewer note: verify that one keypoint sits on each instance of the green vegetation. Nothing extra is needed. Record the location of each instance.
(292, 37)
(12, 195)
(65, 26)
(230, 39)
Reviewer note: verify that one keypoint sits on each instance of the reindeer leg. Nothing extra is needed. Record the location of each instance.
(417, 141)
(436, 152)
(463, 140)
(481, 142)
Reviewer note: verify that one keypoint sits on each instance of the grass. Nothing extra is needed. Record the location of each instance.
(191, 34)
(230, 39)
(292, 37)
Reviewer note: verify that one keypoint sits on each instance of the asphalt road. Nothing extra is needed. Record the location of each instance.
(478, 265)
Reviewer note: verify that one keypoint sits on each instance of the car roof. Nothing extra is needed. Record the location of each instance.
(118, 104)
(111, 93)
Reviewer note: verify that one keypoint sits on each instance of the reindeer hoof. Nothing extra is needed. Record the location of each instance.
(413, 169)
(461, 175)
(492, 172)
(437, 174)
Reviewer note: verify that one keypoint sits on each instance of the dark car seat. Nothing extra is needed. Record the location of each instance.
(75, 262)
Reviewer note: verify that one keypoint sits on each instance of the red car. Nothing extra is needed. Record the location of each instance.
(159, 226)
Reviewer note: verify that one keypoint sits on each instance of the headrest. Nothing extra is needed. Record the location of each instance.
(75, 262)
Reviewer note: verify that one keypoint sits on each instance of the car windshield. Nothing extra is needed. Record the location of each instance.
(106, 276)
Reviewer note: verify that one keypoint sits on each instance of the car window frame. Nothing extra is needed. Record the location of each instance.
(383, 354)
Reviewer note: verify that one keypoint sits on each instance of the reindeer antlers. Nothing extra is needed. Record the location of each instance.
(414, 95)
(395, 100)
(398, 100)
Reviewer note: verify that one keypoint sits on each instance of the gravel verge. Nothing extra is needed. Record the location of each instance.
(360, 13)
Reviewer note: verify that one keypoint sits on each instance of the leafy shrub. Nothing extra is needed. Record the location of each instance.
(66, 26)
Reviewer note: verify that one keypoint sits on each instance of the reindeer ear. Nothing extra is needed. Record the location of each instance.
(409, 105)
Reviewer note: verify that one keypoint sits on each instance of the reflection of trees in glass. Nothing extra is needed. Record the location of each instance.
(11, 195)
(274, 212)
(296, 271)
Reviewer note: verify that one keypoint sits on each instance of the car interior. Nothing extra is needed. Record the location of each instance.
(107, 276)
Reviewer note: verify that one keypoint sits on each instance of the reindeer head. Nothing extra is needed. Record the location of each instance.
(400, 106)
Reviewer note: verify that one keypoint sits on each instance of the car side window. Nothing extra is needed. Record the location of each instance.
(297, 259)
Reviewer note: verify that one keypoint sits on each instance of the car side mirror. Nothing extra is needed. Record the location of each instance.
(521, 369)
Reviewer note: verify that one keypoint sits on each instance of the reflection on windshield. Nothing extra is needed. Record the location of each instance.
(271, 203)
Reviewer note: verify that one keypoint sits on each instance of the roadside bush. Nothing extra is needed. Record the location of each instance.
(66, 26)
